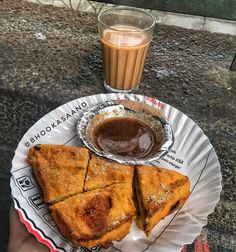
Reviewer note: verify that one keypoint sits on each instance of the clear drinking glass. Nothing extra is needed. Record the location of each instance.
(125, 34)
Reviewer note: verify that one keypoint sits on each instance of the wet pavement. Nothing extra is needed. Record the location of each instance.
(49, 56)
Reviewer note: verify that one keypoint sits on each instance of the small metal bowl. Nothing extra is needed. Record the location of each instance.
(98, 114)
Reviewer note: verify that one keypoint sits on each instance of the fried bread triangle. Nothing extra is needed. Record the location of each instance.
(60, 170)
(159, 192)
(102, 173)
(96, 217)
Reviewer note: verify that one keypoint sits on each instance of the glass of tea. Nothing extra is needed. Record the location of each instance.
(125, 34)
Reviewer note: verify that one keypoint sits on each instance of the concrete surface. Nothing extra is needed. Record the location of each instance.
(49, 56)
(162, 17)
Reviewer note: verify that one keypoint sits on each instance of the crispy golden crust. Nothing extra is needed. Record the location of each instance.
(89, 218)
(159, 192)
(60, 170)
(116, 234)
(102, 173)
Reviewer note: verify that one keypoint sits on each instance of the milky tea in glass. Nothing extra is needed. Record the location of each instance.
(125, 35)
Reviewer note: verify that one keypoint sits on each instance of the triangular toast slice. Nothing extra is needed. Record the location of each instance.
(96, 217)
(60, 170)
(102, 173)
(159, 192)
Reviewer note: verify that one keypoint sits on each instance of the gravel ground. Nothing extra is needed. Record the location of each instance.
(52, 55)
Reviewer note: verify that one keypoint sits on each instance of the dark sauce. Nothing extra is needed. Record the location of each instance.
(124, 136)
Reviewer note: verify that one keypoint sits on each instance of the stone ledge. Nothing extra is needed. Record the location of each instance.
(218, 241)
(224, 217)
(50, 56)
(6, 156)
(19, 112)
(5, 201)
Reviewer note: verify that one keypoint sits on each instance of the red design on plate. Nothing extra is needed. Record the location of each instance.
(35, 233)
(159, 104)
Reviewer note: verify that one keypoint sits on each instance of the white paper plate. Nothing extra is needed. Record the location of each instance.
(192, 154)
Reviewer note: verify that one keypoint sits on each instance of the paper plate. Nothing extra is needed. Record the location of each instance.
(192, 154)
